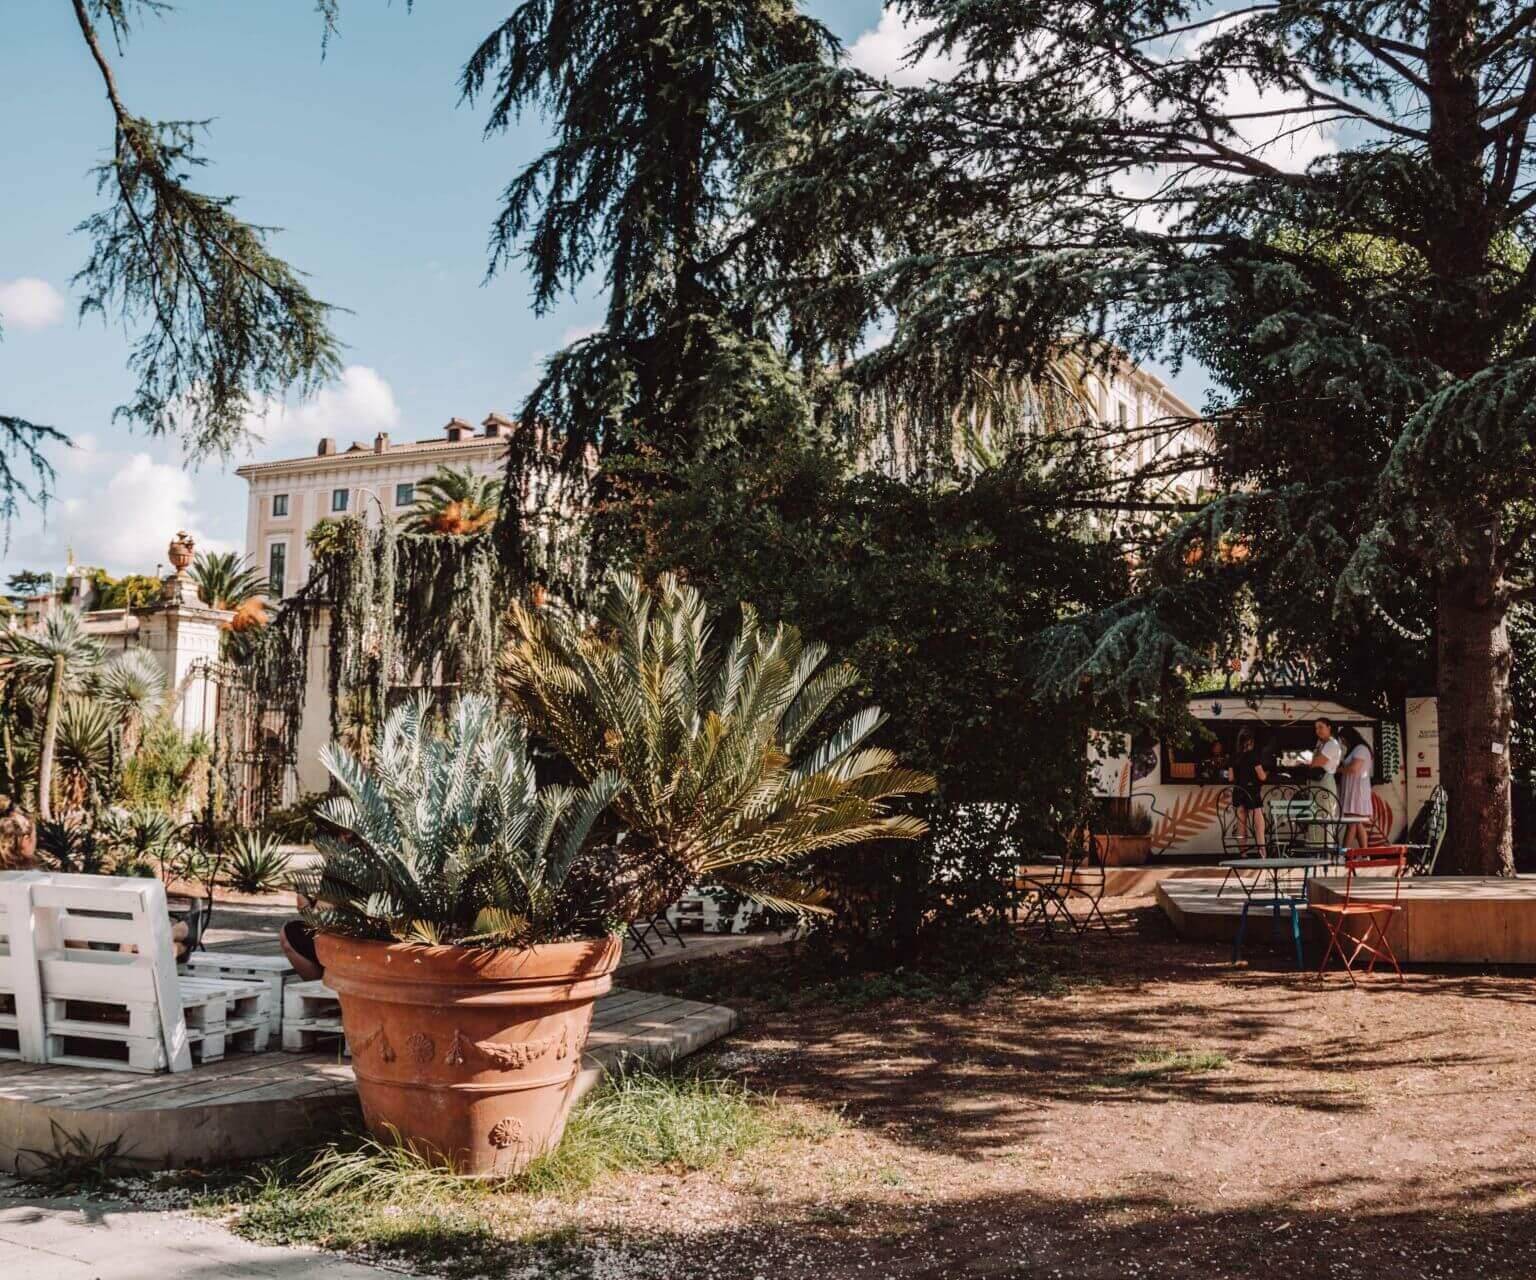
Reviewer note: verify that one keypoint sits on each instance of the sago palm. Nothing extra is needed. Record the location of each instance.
(449, 838)
(55, 662)
(454, 502)
(728, 777)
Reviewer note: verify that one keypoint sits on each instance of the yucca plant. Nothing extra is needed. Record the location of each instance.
(448, 838)
(56, 661)
(729, 778)
(257, 863)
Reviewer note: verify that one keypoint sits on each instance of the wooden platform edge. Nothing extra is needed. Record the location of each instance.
(251, 1126)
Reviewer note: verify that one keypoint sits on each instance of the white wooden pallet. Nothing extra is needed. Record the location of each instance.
(275, 971)
(124, 1034)
(311, 1016)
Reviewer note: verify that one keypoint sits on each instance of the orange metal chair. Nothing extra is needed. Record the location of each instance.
(1370, 916)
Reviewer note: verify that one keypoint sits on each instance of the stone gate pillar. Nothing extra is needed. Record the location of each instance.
(183, 633)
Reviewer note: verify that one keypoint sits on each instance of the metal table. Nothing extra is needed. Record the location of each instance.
(1277, 901)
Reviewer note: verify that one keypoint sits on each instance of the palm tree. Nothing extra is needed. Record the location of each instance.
(58, 660)
(83, 757)
(454, 502)
(225, 581)
(726, 779)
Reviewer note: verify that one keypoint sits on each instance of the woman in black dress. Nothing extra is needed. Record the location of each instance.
(1248, 778)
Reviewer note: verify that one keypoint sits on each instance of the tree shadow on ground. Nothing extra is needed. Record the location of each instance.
(1346, 1228)
(982, 1077)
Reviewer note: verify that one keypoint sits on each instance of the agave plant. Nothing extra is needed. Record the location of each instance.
(448, 838)
(257, 863)
(728, 779)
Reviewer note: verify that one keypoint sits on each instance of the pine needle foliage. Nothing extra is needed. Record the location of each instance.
(729, 776)
(445, 837)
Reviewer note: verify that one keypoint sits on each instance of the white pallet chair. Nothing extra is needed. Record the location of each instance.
(133, 914)
(21, 1021)
(166, 1016)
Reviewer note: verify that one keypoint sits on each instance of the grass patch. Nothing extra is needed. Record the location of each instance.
(381, 1200)
(1164, 1064)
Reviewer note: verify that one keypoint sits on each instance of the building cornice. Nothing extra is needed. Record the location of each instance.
(365, 457)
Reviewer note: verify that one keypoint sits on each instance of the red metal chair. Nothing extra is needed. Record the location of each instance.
(1372, 914)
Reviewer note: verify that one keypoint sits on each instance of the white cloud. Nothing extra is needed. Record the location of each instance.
(29, 303)
(360, 404)
(116, 511)
(883, 52)
(576, 332)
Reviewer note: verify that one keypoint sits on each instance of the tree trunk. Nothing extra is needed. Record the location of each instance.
(50, 737)
(1475, 717)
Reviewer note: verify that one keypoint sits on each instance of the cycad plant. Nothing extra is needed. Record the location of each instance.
(448, 838)
(729, 777)
(454, 502)
(54, 662)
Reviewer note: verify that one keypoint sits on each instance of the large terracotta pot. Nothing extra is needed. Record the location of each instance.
(469, 1054)
(1122, 851)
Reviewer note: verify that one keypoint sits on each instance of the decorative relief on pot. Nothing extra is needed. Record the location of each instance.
(506, 1132)
(386, 1050)
(509, 1057)
(420, 1047)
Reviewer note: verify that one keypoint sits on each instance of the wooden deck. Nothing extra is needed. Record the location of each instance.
(257, 1104)
(1444, 920)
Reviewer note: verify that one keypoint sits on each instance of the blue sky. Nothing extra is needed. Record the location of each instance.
(385, 189)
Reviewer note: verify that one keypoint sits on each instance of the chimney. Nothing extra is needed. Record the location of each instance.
(458, 429)
(327, 447)
(381, 442)
(495, 426)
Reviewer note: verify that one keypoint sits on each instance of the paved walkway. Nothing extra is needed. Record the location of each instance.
(82, 1239)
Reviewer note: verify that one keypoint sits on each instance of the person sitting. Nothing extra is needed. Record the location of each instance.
(18, 838)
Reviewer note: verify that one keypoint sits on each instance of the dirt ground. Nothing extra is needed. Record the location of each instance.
(1316, 1130)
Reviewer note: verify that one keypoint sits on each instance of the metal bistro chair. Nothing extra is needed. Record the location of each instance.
(1279, 819)
(1226, 820)
(1077, 878)
(1427, 833)
(1316, 831)
(660, 926)
(1372, 913)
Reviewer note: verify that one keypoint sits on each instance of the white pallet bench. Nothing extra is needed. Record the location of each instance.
(275, 971)
(89, 980)
(219, 1017)
(311, 1016)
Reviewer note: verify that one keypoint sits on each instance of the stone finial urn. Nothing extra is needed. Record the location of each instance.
(181, 552)
(180, 589)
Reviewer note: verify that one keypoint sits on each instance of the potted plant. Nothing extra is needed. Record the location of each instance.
(462, 927)
(1122, 833)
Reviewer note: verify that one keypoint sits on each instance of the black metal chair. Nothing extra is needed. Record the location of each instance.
(659, 925)
(1426, 833)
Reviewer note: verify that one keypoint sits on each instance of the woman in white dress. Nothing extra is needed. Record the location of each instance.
(1355, 791)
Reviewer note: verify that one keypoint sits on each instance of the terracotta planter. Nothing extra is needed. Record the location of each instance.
(1122, 851)
(470, 1055)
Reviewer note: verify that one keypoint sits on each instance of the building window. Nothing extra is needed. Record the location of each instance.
(1122, 415)
(405, 494)
(338, 500)
(279, 504)
(277, 564)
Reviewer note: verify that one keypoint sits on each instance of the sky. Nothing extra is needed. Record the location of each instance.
(384, 186)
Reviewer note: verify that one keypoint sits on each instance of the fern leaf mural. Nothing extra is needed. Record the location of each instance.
(1191, 813)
